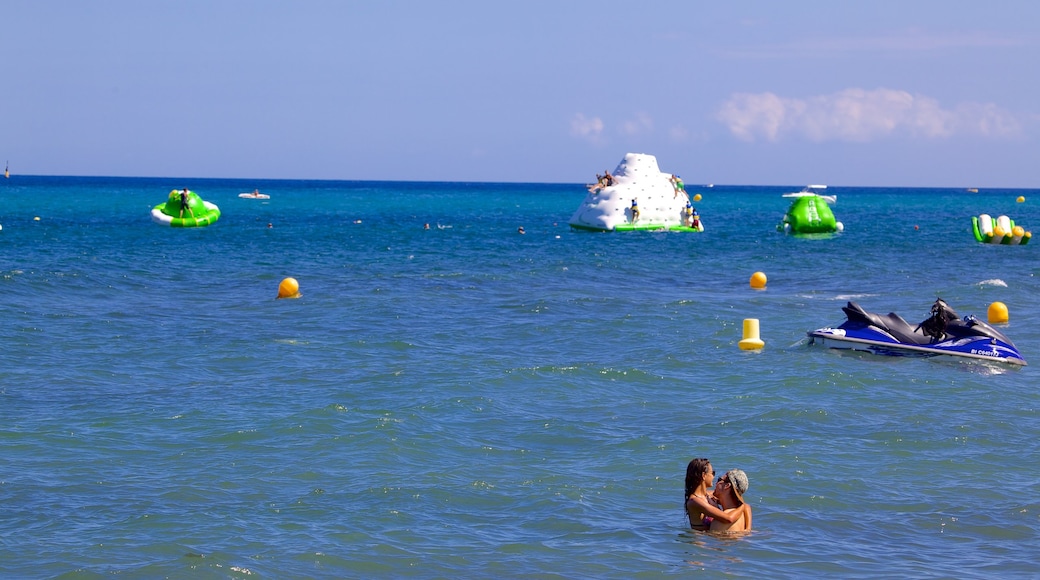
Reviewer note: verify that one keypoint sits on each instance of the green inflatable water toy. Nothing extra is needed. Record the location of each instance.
(196, 214)
(809, 214)
(999, 230)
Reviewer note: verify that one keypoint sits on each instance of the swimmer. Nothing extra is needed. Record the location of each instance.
(520, 230)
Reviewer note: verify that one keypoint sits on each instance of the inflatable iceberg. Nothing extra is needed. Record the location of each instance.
(637, 197)
(185, 209)
(809, 214)
(1001, 230)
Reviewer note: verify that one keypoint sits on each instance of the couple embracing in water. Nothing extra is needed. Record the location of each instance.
(725, 510)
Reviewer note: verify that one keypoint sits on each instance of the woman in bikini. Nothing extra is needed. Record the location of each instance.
(699, 475)
(704, 511)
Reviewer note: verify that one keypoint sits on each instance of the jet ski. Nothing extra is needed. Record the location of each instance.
(942, 333)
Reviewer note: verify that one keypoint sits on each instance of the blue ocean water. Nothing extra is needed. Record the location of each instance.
(469, 401)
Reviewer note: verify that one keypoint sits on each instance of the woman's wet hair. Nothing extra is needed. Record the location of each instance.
(695, 471)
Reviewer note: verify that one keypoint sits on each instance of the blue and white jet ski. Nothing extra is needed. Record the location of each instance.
(942, 333)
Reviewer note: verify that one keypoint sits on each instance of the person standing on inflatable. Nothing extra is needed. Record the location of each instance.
(184, 204)
(635, 211)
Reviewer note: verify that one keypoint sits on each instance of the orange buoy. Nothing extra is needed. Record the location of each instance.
(289, 288)
(997, 313)
(758, 280)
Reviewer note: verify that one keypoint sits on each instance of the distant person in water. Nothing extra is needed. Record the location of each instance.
(184, 204)
(729, 491)
(520, 230)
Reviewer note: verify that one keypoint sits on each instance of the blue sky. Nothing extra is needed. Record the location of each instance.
(924, 93)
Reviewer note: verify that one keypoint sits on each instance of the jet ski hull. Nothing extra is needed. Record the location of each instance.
(980, 348)
(890, 335)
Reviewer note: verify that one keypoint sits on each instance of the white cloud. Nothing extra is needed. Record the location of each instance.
(641, 124)
(588, 129)
(678, 133)
(860, 115)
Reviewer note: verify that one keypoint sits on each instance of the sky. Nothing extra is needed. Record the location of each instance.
(923, 93)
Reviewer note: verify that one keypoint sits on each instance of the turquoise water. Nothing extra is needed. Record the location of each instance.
(468, 401)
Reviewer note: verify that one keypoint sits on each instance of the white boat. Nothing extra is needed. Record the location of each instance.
(813, 190)
(254, 195)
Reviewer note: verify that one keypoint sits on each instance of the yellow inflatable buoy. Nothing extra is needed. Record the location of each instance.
(997, 313)
(758, 280)
(696, 197)
(751, 340)
(289, 288)
(1021, 199)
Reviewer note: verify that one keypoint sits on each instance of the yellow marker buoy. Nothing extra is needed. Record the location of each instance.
(696, 197)
(1021, 199)
(36, 219)
(751, 340)
(758, 280)
(289, 288)
(997, 313)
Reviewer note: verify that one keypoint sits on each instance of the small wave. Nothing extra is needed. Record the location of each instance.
(841, 297)
(993, 282)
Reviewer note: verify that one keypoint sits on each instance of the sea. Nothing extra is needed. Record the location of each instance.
(469, 401)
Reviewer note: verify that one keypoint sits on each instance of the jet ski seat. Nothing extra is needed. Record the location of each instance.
(892, 323)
